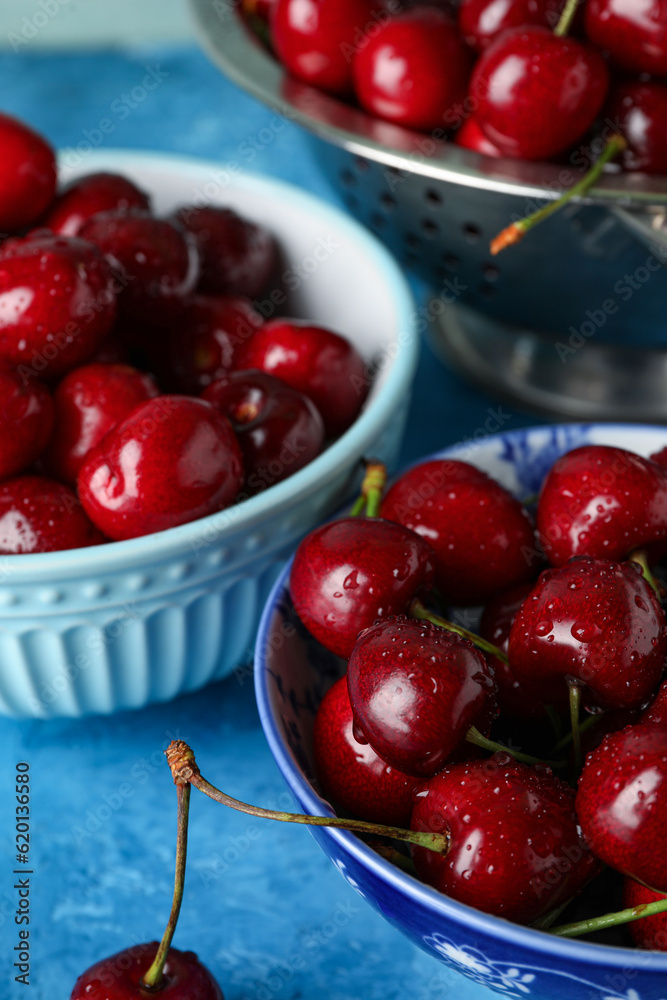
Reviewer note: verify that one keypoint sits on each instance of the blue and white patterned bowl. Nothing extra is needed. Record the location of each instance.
(125, 624)
(292, 673)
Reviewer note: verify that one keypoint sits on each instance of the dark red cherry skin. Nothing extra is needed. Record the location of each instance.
(238, 257)
(26, 421)
(482, 21)
(350, 572)
(656, 710)
(27, 175)
(202, 344)
(495, 626)
(483, 538)
(639, 113)
(472, 136)
(414, 70)
(634, 32)
(516, 847)
(86, 196)
(278, 429)
(321, 364)
(316, 40)
(649, 932)
(621, 802)
(351, 774)
(156, 264)
(415, 691)
(173, 459)
(57, 303)
(596, 621)
(538, 93)
(601, 501)
(89, 402)
(38, 514)
(118, 977)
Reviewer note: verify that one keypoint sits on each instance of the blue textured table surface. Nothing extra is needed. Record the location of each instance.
(263, 907)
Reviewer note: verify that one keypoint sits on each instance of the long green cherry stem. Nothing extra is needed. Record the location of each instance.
(583, 728)
(153, 978)
(475, 737)
(517, 230)
(581, 927)
(575, 708)
(417, 610)
(372, 486)
(184, 769)
(566, 18)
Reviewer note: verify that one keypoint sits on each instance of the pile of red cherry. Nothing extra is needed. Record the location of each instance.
(497, 76)
(572, 614)
(140, 388)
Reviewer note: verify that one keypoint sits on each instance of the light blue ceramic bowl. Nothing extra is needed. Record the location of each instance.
(125, 624)
(292, 673)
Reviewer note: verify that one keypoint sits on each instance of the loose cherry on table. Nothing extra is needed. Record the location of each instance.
(173, 459)
(278, 429)
(634, 32)
(27, 175)
(89, 402)
(483, 538)
(321, 364)
(639, 111)
(88, 195)
(237, 256)
(482, 21)
(414, 70)
(26, 421)
(38, 514)
(57, 302)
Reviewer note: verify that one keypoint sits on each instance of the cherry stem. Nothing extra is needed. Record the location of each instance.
(395, 857)
(639, 556)
(184, 769)
(566, 18)
(474, 736)
(575, 705)
(545, 922)
(583, 727)
(417, 610)
(372, 487)
(153, 978)
(611, 919)
(516, 232)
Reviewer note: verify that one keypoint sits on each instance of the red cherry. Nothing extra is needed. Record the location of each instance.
(202, 345)
(57, 302)
(472, 136)
(351, 773)
(415, 691)
(633, 31)
(317, 362)
(621, 802)
(316, 39)
(238, 257)
(639, 113)
(483, 538)
(537, 92)
(656, 711)
(413, 70)
(516, 848)
(157, 266)
(41, 515)
(26, 421)
(482, 21)
(119, 976)
(601, 501)
(89, 402)
(278, 429)
(596, 621)
(350, 572)
(495, 626)
(173, 459)
(27, 175)
(649, 932)
(86, 196)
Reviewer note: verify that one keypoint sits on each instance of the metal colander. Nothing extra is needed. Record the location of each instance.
(568, 322)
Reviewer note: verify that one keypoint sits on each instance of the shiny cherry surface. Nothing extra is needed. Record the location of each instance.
(472, 136)
(633, 31)
(173, 459)
(639, 111)
(86, 196)
(415, 690)
(482, 21)
(26, 421)
(118, 977)
(355, 570)
(27, 175)
(41, 515)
